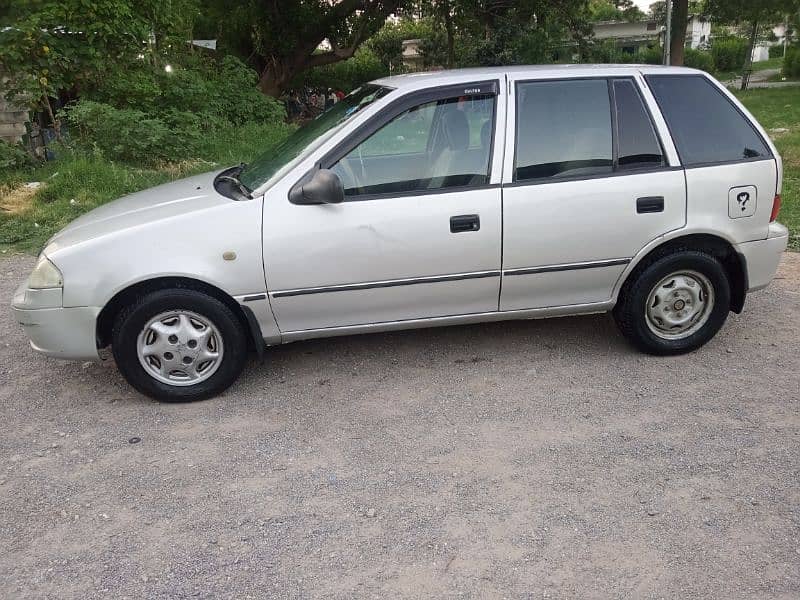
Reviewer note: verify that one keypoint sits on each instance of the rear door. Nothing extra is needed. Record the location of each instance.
(590, 183)
(419, 232)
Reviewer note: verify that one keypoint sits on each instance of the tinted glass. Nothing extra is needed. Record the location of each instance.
(705, 125)
(637, 142)
(438, 144)
(563, 129)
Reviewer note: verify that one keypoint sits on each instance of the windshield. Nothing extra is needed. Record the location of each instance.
(265, 166)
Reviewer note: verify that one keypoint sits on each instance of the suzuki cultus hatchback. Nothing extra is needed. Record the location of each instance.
(430, 199)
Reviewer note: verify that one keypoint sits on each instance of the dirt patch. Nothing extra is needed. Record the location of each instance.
(18, 199)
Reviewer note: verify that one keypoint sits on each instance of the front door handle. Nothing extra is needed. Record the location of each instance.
(650, 204)
(461, 223)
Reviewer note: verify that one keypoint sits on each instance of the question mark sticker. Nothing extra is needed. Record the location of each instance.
(742, 199)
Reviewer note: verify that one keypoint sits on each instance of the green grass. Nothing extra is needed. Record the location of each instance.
(80, 180)
(779, 108)
(772, 63)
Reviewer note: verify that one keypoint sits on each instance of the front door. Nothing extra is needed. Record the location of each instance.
(419, 232)
(589, 186)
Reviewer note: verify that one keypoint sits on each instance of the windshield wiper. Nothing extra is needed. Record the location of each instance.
(239, 185)
(232, 175)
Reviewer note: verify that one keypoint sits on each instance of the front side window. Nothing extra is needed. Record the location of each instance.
(705, 125)
(434, 145)
(563, 129)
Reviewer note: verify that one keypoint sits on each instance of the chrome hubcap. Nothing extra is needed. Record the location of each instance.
(180, 347)
(679, 305)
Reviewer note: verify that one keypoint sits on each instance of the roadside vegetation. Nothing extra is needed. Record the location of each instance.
(133, 104)
(778, 110)
(142, 127)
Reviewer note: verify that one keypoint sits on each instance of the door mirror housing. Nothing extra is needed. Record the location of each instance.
(323, 187)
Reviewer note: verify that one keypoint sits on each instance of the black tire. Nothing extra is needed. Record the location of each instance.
(132, 320)
(630, 311)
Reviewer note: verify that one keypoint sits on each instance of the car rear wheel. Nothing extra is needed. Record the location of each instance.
(179, 345)
(674, 304)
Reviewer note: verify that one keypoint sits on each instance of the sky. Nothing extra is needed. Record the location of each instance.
(643, 4)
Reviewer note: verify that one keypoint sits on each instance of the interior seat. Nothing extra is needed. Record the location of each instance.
(455, 133)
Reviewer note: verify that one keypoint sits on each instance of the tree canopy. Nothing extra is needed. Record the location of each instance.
(281, 38)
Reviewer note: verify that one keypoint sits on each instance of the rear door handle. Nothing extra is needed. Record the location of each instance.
(461, 223)
(650, 204)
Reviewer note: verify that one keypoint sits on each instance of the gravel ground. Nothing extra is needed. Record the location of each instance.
(524, 459)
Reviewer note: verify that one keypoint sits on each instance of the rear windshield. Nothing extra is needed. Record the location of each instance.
(706, 126)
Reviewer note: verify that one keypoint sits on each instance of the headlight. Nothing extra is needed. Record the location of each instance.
(45, 275)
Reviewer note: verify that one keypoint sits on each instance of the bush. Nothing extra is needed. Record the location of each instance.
(132, 136)
(606, 52)
(729, 54)
(13, 156)
(652, 55)
(344, 75)
(791, 64)
(697, 59)
(216, 91)
(776, 51)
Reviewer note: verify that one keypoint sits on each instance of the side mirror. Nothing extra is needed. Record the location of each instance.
(323, 187)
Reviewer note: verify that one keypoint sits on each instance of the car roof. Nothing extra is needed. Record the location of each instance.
(426, 79)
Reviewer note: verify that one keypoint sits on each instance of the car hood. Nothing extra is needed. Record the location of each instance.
(135, 210)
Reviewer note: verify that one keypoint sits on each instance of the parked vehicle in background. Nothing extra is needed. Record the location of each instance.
(430, 199)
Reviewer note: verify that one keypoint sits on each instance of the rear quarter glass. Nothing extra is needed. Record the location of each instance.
(706, 126)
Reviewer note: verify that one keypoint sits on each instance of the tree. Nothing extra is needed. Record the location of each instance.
(677, 38)
(56, 45)
(614, 10)
(751, 13)
(387, 44)
(282, 38)
(495, 32)
(681, 9)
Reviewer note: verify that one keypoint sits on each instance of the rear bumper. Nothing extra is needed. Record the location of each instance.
(67, 333)
(762, 256)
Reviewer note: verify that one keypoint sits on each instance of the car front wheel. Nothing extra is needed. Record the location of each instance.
(674, 304)
(179, 345)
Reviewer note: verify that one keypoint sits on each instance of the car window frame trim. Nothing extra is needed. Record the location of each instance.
(395, 109)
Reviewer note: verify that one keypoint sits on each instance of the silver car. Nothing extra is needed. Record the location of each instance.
(424, 200)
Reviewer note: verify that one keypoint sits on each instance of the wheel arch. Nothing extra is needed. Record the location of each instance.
(109, 312)
(722, 249)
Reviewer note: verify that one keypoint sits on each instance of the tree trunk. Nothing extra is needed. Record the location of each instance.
(55, 121)
(448, 26)
(680, 16)
(274, 79)
(748, 60)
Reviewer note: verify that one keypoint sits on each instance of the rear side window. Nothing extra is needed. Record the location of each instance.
(705, 125)
(563, 129)
(638, 146)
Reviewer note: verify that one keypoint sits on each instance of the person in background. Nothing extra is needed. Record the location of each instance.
(293, 107)
(339, 94)
(330, 99)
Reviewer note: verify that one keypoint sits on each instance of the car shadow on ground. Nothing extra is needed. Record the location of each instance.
(439, 347)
